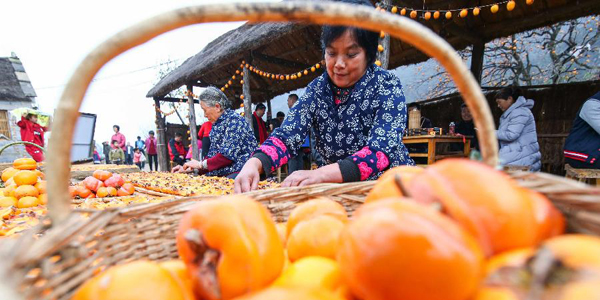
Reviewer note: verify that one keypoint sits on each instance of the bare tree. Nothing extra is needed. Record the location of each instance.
(564, 52)
(167, 67)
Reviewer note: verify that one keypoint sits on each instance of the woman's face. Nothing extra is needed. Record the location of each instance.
(504, 104)
(212, 113)
(33, 118)
(116, 130)
(346, 61)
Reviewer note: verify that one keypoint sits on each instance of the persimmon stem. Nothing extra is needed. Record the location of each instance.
(401, 186)
(207, 260)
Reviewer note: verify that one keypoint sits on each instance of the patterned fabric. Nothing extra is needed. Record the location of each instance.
(232, 137)
(366, 128)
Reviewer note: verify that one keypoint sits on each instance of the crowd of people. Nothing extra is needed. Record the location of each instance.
(118, 151)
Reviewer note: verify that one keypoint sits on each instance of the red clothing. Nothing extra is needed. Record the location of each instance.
(33, 133)
(120, 138)
(260, 128)
(151, 146)
(176, 149)
(204, 130)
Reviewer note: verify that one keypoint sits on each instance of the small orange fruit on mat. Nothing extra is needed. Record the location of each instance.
(8, 201)
(230, 247)
(25, 177)
(317, 236)
(43, 199)
(41, 186)
(102, 175)
(25, 164)
(403, 250)
(26, 190)
(8, 173)
(136, 280)
(313, 208)
(27, 202)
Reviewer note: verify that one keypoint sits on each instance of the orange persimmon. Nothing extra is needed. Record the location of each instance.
(102, 175)
(230, 247)
(26, 190)
(486, 202)
(403, 250)
(82, 192)
(282, 232)
(313, 208)
(92, 184)
(179, 272)
(25, 164)
(102, 192)
(114, 181)
(392, 182)
(550, 221)
(27, 202)
(126, 190)
(25, 177)
(43, 199)
(41, 186)
(281, 293)
(136, 280)
(8, 173)
(317, 236)
(112, 192)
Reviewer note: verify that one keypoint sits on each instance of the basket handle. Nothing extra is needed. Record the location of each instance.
(21, 143)
(304, 11)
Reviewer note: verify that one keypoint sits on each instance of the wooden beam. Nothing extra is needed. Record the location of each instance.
(280, 61)
(247, 99)
(464, 33)
(269, 112)
(161, 137)
(170, 99)
(384, 56)
(193, 128)
(477, 60)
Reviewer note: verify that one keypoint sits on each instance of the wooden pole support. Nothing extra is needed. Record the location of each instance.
(384, 56)
(247, 97)
(161, 140)
(193, 126)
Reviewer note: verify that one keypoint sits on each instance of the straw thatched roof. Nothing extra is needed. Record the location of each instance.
(10, 89)
(287, 48)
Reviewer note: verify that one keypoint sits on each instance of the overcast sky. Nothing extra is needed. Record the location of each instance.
(52, 37)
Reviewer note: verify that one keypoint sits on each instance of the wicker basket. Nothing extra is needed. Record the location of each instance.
(79, 245)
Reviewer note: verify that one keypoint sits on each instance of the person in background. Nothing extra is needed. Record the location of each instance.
(276, 122)
(119, 137)
(129, 154)
(231, 138)
(139, 144)
(204, 137)
(116, 154)
(425, 122)
(151, 150)
(259, 126)
(96, 156)
(582, 147)
(291, 100)
(466, 126)
(137, 158)
(32, 132)
(517, 133)
(177, 149)
(106, 151)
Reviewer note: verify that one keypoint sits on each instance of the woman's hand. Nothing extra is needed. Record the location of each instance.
(329, 173)
(248, 178)
(177, 169)
(192, 165)
(303, 178)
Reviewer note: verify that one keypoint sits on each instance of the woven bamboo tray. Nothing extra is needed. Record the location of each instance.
(77, 246)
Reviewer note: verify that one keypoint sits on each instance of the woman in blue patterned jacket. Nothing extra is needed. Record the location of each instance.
(356, 109)
(231, 138)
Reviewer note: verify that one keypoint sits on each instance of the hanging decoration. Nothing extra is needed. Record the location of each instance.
(238, 74)
(426, 14)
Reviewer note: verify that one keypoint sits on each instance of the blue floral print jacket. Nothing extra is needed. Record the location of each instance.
(362, 132)
(232, 137)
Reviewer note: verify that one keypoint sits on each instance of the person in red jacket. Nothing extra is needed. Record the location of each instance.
(204, 136)
(32, 132)
(176, 149)
(151, 150)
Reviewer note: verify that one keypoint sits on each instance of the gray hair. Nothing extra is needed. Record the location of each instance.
(212, 96)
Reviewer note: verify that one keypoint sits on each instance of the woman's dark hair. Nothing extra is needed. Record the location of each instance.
(414, 105)
(151, 132)
(368, 40)
(29, 116)
(118, 127)
(509, 91)
(178, 134)
(260, 106)
(280, 114)
(114, 141)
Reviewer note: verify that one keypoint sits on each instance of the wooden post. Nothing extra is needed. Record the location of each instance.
(384, 56)
(477, 60)
(193, 128)
(247, 99)
(269, 112)
(161, 137)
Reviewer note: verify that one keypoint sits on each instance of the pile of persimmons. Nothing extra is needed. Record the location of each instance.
(24, 185)
(455, 230)
(102, 184)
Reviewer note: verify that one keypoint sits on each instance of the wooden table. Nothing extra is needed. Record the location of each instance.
(432, 141)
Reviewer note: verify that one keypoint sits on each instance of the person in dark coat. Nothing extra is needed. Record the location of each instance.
(582, 147)
(258, 125)
(106, 151)
(177, 150)
(466, 126)
(129, 151)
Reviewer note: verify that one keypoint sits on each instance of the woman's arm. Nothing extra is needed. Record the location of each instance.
(329, 173)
